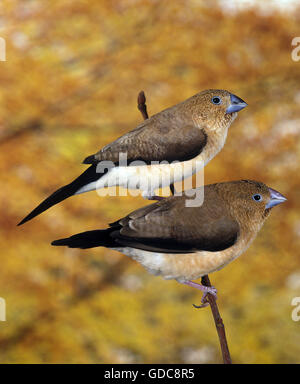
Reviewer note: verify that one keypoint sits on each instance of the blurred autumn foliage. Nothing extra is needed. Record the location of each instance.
(69, 87)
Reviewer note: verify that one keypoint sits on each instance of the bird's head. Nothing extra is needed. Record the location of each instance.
(250, 201)
(216, 108)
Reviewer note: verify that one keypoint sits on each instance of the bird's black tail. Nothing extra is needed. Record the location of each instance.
(89, 239)
(88, 176)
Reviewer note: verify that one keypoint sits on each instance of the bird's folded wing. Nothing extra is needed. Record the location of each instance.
(171, 227)
(154, 142)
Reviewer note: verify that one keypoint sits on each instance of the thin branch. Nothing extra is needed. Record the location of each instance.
(218, 321)
(143, 109)
(142, 105)
(172, 188)
(205, 279)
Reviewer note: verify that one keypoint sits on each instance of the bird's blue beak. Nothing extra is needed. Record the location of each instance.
(236, 104)
(276, 198)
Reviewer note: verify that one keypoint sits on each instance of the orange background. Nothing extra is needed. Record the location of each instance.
(68, 87)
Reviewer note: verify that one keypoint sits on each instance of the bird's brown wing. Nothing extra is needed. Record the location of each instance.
(155, 141)
(170, 227)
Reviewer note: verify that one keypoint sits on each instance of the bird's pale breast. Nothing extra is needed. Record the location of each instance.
(191, 266)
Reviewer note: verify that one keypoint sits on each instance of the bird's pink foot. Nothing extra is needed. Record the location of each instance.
(153, 197)
(156, 198)
(205, 290)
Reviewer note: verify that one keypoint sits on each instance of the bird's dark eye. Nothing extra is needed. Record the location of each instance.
(257, 197)
(216, 100)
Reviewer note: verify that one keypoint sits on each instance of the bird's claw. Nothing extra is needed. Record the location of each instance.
(156, 198)
(201, 306)
(153, 197)
(204, 299)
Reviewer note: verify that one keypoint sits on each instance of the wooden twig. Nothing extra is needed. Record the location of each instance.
(143, 109)
(205, 279)
(218, 321)
(172, 188)
(142, 105)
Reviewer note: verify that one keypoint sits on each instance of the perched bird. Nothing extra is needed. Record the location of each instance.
(184, 243)
(186, 135)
